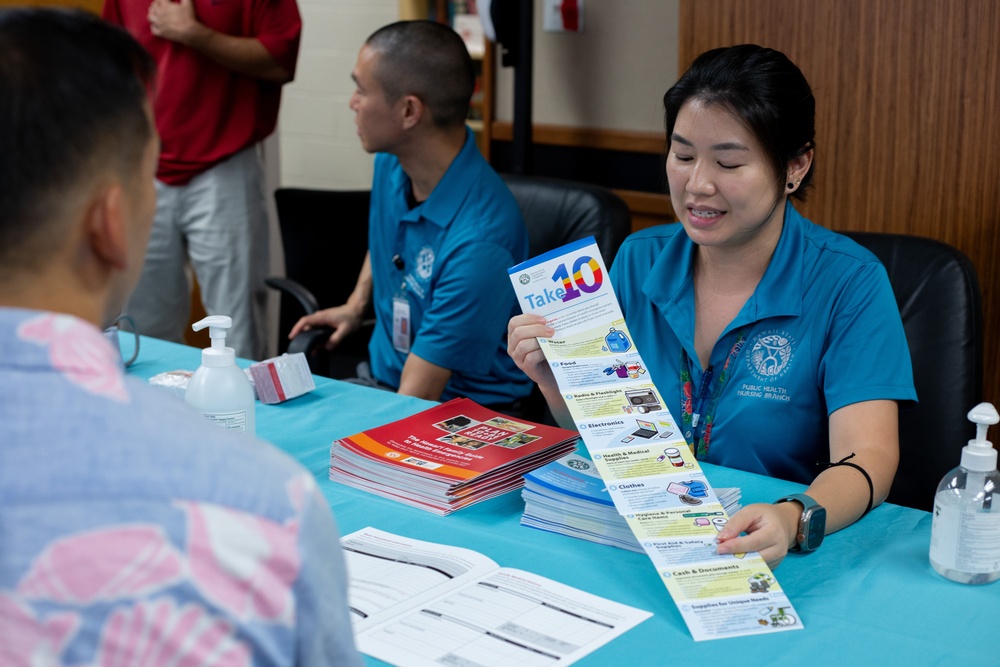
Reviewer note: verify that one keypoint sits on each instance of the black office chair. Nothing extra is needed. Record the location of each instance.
(325, 235)
(940, 303)
(557, 212)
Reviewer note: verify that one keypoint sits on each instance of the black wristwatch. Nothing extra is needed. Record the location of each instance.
(812, 523)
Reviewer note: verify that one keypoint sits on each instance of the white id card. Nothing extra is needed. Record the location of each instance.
(401, 324)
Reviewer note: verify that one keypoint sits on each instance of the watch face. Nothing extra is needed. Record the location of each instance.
(815, 529)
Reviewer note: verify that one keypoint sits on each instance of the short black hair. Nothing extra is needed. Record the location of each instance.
(73, 95)
(429, 60)
(764, 90)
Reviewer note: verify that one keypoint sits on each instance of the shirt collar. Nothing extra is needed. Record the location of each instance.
(669, 285)
(444, 202)
(780, 290)
(68, 343)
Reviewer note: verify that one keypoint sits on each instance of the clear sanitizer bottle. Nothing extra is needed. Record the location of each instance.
(219, 389)
(965, 534)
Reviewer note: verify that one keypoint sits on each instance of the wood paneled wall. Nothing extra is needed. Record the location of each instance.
(907, 116)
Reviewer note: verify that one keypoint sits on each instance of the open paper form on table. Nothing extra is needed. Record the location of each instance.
(652, 475)
(418, 604)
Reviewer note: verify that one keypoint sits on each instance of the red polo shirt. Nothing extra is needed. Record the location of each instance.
(206, 112)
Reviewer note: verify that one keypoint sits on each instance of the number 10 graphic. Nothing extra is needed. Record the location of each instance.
(578, 279)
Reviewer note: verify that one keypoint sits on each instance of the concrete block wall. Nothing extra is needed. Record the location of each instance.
(319, 146)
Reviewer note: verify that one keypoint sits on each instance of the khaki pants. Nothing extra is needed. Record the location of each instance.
(217, 223)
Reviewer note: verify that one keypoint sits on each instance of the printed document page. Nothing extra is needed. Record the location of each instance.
(390, 573)
(422, 604)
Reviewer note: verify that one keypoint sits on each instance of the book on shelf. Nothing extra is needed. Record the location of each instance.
(569, 497)
(417, 604)
(447, 457)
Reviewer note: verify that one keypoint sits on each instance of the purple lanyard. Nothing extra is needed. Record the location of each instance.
(698, 410)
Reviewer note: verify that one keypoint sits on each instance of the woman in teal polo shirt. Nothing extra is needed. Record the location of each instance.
(779, 341)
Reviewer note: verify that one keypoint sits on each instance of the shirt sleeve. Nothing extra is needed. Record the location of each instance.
(472, 302)
(277, 24)
(866, 355)
(323, 623)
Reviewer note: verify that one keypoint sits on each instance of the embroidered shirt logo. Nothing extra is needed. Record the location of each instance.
(425, 262)
(770, 354)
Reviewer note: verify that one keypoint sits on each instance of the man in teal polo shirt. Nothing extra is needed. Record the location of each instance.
(443, 227)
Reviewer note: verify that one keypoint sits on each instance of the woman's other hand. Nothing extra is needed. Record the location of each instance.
(770, 531)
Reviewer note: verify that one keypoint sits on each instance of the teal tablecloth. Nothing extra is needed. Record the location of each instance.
(868, 596)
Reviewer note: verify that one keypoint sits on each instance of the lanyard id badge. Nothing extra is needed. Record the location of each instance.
(698, 410)
(401, 321)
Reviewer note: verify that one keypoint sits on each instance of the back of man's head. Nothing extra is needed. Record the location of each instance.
(73, 108)
(429, 60)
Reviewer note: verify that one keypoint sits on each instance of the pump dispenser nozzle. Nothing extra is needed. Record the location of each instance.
(217, 325)
(218, 355)
(979, 454)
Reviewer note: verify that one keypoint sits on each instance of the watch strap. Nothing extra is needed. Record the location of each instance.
(807, 501)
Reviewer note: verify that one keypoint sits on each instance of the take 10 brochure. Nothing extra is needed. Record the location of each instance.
(652, 476)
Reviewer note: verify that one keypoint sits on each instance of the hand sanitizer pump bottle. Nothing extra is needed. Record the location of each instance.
(965, 535)
(219, 389)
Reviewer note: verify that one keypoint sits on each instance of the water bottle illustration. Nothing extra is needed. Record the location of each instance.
(617, 341)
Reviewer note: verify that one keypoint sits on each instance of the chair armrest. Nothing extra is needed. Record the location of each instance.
(309, 341)
(295, 289)
(342, 361)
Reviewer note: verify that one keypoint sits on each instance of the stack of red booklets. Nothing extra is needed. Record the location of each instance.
(445, 458)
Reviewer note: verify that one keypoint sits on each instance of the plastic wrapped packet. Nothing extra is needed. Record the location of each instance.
(282, 378)
(174, 382)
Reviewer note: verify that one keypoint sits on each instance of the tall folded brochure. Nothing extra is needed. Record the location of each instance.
(652, 475)
(447, 457)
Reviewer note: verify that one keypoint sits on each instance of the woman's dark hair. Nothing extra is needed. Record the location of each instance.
(73, 94)
(764, 90)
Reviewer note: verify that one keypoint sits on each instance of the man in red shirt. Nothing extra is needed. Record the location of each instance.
(220, 67)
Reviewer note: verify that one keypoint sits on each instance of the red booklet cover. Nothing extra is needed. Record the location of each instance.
(447, 453)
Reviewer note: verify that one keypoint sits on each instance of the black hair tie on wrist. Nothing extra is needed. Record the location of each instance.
(844, 462)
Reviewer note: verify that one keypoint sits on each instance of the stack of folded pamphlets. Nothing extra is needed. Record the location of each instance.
(568, 497)
(445, 458)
